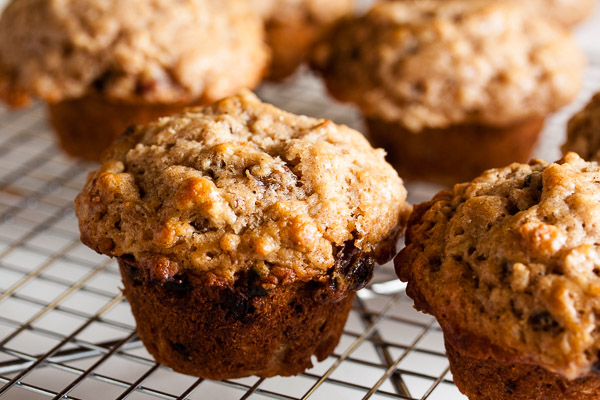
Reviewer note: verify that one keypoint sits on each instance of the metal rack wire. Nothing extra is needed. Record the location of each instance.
(67, 332)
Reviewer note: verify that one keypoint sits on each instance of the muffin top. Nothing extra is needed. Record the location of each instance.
(512, 259)
(432, 64)
(241, 185)
(159, 51)
(583, 131)
(565, 12)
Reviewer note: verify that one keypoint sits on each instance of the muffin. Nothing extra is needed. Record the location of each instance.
(451, 88)
(583, 131)
(242, 233)
(102, 66)
(509, 265)
(292, 27)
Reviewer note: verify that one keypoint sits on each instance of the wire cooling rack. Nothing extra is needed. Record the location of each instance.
(67, 332)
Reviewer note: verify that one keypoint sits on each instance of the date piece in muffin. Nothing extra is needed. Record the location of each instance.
(104, 65)
(292, 27)
(583, 131)
(451, 87)
(242, 233)
(509, 264)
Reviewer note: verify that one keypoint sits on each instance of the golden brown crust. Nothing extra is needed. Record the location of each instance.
(435, 63)
(136, 51)
(583, 131)
(511, 261)
(218, 331)
(454, 154)
(240, 185)
(488, 379)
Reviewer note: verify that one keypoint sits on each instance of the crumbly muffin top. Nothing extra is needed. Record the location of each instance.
(432, 63)
(514, 258)
(583, 131)
(135, 50)
(566, 12)
(241, 185)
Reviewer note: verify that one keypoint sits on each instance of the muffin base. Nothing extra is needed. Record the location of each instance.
(492, 380)
(86, 126)
(216, 331)
(454, 154)
(289, 44)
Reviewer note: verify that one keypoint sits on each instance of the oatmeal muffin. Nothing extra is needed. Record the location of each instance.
(583, 131)
(242, 233)
(102, 66)
(509, 264)
(292, 27)
(452, 87)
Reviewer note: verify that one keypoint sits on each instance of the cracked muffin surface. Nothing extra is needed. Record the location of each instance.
(242, 184)
(137, 50)
(433, 64)
(509, 264)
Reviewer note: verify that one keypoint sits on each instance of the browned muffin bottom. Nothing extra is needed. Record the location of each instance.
(454, 154)
(206, 327)
(289, 44)
(293, 26)
(488, 379)
(102, 120)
